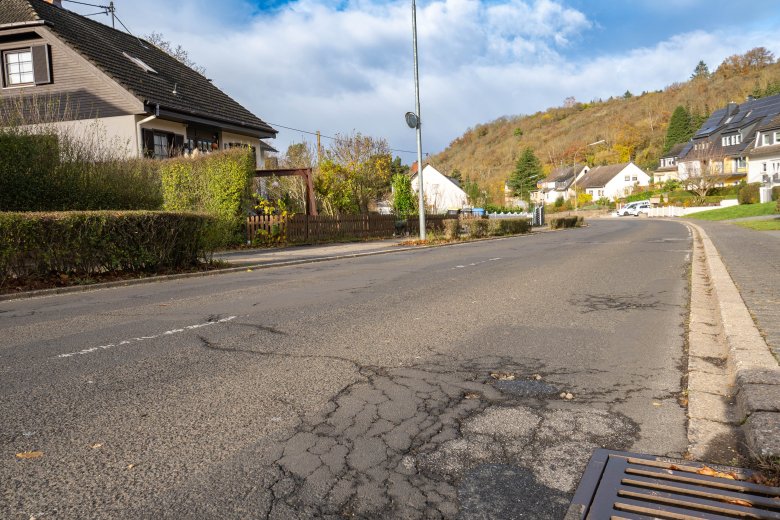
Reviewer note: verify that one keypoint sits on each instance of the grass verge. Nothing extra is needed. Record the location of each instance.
(741, 211)
(760, 225)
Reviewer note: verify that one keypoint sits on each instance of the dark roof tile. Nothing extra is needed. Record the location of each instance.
(599, 176)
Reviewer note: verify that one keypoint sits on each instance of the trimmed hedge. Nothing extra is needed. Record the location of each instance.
(749, 193)
(218, 184)
(83, 243)
(566, 222)
(54, 172)
(509, 226)
(776, 193)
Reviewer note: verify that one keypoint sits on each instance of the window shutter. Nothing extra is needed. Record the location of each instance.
(41, 64)
(148, 140)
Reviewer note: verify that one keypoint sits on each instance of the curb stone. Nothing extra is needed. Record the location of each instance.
(753, 369)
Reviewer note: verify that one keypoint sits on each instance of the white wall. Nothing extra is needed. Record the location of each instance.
(440, 192)
(114, 135)
(620, 187)
(756, 168)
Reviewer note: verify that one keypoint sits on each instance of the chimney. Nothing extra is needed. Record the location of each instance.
(55, 3)
(732, 109)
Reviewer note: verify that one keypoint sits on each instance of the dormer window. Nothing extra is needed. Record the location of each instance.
(766, 139)
(140, 63)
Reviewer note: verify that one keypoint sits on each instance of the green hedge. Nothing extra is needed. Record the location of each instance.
(509, 226)
(218, 184)
(566, 222)
(54, 172)
(749, 193)
(776, 193)
(84, 243)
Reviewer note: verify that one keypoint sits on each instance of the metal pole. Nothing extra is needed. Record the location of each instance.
(113, 16)
(421, 210)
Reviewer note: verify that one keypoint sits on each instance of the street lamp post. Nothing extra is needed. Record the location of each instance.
(421, 209)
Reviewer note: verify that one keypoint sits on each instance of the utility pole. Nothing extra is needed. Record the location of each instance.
(419, 123)
(319, 148)
(112, 10)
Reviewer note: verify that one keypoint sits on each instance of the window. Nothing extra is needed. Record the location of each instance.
(139, 62)
(161, 150)
(767, 139)
(634, 178)
(777, 137)
(628, 178)
(19, 68)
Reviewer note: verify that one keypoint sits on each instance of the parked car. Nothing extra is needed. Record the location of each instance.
(634, 208)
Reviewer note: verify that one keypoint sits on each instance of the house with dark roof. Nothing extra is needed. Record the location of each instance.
(613, 181)
(764, 155)
(724, 145)
(65, 69)
(559, 184)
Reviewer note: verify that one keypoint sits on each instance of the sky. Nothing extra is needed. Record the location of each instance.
(344, 66)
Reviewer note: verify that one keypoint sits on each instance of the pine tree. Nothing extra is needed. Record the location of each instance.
(701, 71)
(680, 128)
(528, 171)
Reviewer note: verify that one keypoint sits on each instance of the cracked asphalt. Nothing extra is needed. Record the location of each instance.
(420, 384)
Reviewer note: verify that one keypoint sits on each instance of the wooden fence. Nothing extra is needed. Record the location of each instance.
(319, 228)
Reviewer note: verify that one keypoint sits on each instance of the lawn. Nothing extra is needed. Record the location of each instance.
(761, 225)
(741, 211)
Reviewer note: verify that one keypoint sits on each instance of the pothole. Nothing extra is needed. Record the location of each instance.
(520, 388)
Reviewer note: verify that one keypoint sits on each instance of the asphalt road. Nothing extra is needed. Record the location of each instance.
(354, 388)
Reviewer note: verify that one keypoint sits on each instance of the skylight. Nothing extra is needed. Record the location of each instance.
(139, 62)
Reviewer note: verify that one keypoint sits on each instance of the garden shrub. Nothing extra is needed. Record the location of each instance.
(218, 184)
(476, 227)
(93, 242)
(509, 226)
(776, 193)
(452, 229)
(566, 222)
(749, 193)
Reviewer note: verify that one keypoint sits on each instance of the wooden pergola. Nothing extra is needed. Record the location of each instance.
(306, 173)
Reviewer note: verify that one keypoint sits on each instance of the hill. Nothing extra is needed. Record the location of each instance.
(626, 128)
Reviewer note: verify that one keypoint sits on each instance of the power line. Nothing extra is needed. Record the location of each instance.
(330, 137)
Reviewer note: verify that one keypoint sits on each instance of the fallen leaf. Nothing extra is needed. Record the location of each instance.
(656, 404)
(130, 466)
(248, 270)
(471, 395)
(739, 502)
(537, 377)
(709, 472)
(29, 455)
(569, 396)
(503, 376)
(97, 445)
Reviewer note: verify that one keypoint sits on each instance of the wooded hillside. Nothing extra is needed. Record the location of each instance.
(632, 127)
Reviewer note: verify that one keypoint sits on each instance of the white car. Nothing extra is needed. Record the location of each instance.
(635, 208)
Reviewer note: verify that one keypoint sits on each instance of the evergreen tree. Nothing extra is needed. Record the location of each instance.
(680, 128)
(456, 176)
(701, 71)
(528, 171)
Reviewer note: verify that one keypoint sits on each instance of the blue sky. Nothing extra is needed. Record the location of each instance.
(340, 66)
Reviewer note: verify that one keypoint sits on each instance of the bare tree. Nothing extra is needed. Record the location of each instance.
(178, 52)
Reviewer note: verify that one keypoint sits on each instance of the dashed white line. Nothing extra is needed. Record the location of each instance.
(474, 264)
(144, 338)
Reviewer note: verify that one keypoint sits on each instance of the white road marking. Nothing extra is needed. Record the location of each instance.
(476, 263)
(143, 338)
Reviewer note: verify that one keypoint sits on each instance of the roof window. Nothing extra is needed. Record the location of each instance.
(139, 62)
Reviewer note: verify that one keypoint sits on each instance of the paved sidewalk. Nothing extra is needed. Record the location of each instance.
(752, 259)
(308, 252)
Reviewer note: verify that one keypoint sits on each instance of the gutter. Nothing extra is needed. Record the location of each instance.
(31, 23)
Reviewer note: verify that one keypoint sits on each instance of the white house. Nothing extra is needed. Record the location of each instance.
(764, 158)
(559, 184)
(441, 193)
(613, 181)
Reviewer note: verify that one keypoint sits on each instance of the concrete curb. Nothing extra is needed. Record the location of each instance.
(752, 368)
(243, 268)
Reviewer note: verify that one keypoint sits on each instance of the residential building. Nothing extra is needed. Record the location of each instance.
(613, 181)
(667, 166)
(559, 184)
(441, 192)
(764, 165)
(68, 70)
(723, 146)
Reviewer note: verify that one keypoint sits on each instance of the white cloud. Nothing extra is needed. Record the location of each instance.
(338, 66)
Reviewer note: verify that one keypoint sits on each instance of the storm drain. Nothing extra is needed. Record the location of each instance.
(622, 486)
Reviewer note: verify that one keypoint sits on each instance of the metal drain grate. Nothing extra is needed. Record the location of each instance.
(629, 486)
